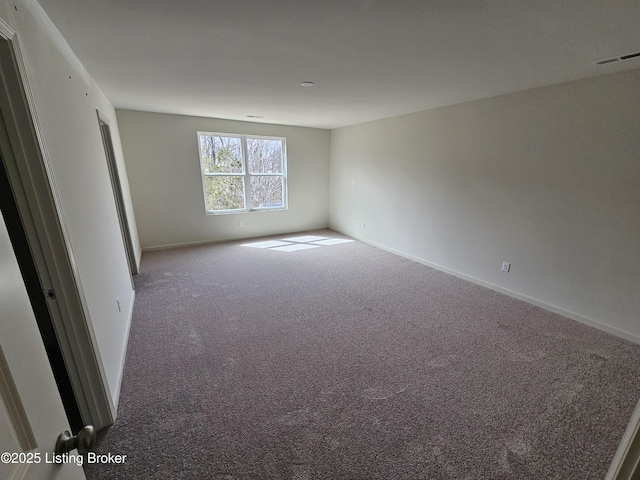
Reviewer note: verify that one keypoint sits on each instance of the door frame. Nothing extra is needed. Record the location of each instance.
(34, 188)
(626, 462)
(114, 175)
(18, 238)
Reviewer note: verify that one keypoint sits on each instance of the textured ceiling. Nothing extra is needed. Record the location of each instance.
(369, 59)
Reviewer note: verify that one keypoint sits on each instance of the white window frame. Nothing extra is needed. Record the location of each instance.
(245, 174)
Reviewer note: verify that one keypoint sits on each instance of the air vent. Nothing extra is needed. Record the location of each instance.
(631, 55)
(606, 61)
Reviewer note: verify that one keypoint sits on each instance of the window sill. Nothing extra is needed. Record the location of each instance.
(253, 210)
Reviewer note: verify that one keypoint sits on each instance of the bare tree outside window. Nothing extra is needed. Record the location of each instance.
(265, 160)
(242, 173)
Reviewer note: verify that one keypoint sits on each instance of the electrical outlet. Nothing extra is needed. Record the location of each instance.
(506, 266)
(241, 223)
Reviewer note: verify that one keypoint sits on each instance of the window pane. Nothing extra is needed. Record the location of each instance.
(220, 154)
(224, 193)
(266, 192)
(265, 156)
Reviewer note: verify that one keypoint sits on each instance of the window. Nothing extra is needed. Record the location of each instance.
(242, 173)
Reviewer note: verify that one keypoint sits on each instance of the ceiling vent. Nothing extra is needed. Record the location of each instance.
(620, 58)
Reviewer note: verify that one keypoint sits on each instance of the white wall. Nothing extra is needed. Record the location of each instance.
(547, 179)
(161, 152)
(66, 99)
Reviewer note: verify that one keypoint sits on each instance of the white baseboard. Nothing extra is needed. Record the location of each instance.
(632, 337)
(167, 246)
(226, 239)
(534, 301)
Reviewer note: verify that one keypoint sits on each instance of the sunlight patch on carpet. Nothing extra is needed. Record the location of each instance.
(302, 242)
(295, 248)
(266, 244)
(304, 238)
(332, 241)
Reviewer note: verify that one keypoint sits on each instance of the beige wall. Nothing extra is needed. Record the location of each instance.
(547, 179)
(161, 151)
(65, 102)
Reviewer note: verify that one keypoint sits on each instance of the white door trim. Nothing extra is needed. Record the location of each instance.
(34, 186)
(114, 175)
(15, 409)
(626, 462)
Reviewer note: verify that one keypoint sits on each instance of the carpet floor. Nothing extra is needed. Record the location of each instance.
(315, 357)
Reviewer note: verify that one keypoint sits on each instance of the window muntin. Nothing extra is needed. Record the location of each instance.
(242, 172)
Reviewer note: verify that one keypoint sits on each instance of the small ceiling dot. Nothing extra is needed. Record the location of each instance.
(307, 84)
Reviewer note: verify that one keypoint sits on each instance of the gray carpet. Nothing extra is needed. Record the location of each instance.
(347, 362)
